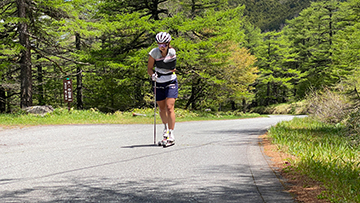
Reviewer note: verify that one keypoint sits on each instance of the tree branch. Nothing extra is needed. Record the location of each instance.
(33, 48)
(62, 57)
(3, 3)
(47, 42)
(4, 10)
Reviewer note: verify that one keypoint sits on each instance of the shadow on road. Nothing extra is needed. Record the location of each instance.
(100, 189)
(141, 146)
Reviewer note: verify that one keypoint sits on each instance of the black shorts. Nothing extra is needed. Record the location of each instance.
(166, 90)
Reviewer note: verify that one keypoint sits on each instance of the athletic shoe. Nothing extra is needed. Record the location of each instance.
(171, 137)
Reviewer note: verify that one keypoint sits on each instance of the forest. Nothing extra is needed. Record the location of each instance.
(230, 54)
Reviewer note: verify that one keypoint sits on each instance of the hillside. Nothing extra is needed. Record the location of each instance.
(271, 15)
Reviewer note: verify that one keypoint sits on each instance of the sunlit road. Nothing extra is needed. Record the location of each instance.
(212, 161)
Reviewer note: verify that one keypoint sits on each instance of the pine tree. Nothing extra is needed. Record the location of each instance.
(271, 15)
(203, 55)
(9, 55)
(312, 35)
(25, 56)
(346, 47)
(277, 79)
(42, 30)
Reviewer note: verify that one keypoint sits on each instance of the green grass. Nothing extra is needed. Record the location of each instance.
(62, 116)
(325, 153)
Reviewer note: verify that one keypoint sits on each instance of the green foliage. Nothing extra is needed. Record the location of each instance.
(311, 36)
(278, 78)
(317, 49)
(51, 25)
(121, 81)
(9, 55)
(203, 47)
(103, 47)
(323, 152)
(346, 45)
(270, 15)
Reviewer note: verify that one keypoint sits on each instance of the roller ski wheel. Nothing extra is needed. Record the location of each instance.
(168, 144)
(162, 142)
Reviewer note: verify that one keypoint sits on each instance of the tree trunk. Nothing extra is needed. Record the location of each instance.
(192, 98)
(357, 93)
(40, 78)
(155, 12)
(267, 100)
(79, 88)
(244, 106)
(25, 58)
(195, 91)
(8, 108)
(2, 100)
(233, 105)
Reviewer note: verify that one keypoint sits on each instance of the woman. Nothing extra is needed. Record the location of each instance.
(163, 58)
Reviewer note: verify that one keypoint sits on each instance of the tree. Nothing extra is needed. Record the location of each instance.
(9, 54)
(105, 45)
(346, 47)
(271, 15)
(43, 48)
(202, 55)
(236, 78)
(150, 8)
(118, 81)
(197, 27)
(312, 35)
(25, 56)
(277, 76)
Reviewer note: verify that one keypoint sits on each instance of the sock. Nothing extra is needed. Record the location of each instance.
(171, 134)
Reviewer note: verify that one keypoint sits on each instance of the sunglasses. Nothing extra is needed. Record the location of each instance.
(162, 45)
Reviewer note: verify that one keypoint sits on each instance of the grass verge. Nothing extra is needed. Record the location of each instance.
(324, 153)
(62, 116)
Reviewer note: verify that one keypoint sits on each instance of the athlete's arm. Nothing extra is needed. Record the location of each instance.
(151, 63)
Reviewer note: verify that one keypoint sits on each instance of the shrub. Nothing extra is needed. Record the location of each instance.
(328, 106)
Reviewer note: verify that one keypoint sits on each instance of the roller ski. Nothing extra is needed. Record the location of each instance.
(166, 143)
(168, 139)
(169, 144)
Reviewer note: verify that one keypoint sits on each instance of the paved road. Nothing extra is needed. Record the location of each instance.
(213, 161)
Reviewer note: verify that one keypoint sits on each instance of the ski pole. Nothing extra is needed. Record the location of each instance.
(155, 112)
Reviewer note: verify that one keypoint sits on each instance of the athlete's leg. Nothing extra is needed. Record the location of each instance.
(167, 113)
(163, 111)
(166, 108)
(170, 105)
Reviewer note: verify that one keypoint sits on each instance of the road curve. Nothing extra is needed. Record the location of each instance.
(212, 161)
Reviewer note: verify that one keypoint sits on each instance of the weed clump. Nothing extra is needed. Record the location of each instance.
(328, 106)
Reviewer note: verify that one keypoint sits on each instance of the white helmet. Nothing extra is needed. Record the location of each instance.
(163, 37)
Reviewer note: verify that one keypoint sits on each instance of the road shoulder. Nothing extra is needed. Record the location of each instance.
(303, 188)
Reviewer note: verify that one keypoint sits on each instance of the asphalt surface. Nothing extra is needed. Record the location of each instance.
(212, 161)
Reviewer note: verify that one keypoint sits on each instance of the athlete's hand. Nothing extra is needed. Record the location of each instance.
(154, 76)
